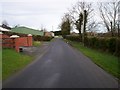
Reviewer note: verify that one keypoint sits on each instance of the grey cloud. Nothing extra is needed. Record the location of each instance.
(33, 13)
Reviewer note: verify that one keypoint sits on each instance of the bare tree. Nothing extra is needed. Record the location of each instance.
(118, 24)
(108, 13)
(4, 22)
(93, 25)
(77, 13)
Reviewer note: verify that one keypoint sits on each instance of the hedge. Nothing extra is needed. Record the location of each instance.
(73, 38)
(42, 38)
(111, 44)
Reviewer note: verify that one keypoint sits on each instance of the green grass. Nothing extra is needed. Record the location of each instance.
(25, 30)
(36, 43)
(106, 61)
(13, 62)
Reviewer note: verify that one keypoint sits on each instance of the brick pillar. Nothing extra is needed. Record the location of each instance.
(16, 42)
(30, 40)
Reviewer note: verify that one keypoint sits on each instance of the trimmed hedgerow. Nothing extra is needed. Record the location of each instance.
(111, 44)
(42, 38)
(73, 38)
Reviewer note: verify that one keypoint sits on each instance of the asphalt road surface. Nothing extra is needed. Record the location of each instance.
(61, 66)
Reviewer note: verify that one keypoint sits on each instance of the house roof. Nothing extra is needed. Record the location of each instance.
(3, 29)
(25, 30)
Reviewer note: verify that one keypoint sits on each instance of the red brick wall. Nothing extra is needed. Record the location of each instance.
(4, 36)
(23, 41)
(15, 43)
(6, 41)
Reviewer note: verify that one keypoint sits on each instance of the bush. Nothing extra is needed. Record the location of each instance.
(42, 38)
(117, 51)
(73, 38)
(111, 45)
(93, 42)
(102, 44)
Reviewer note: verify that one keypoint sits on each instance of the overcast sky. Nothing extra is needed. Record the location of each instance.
(35, 13)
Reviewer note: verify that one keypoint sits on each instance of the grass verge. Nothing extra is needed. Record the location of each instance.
(13, 62)
(36, 43)
(106, 61)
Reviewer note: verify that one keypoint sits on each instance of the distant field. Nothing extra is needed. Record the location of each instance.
(106, 61)
(25, 30)
(13, 62)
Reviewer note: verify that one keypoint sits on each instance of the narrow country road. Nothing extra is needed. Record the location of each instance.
(61, 66)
